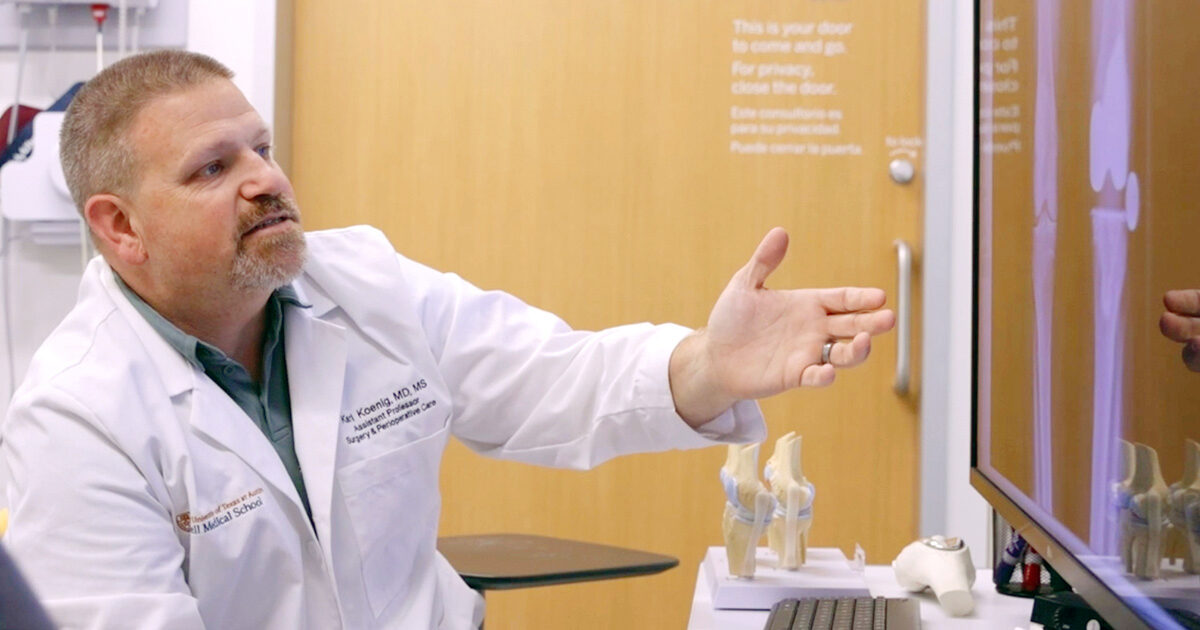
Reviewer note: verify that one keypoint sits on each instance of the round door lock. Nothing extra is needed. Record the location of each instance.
(902, 171)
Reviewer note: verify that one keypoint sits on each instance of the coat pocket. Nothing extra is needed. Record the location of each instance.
(393, 502)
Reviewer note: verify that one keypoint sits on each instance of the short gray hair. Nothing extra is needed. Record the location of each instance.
(96, 157)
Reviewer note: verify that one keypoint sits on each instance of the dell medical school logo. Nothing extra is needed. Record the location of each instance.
(226, 512)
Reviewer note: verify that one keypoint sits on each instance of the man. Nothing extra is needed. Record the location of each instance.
(240, 425)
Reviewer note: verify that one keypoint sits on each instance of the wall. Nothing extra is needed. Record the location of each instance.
(44, 278)
(949, 505)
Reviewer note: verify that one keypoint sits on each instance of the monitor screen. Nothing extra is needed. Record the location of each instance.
(1087, 414)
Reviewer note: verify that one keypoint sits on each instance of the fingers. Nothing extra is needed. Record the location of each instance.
(1191, 354)
(858, 328)
(848, 325)
(1178, 327)
(1183, 301)
(817, 376)
(766, 257)
(1181, 323)
(846, 354)
(851, 299)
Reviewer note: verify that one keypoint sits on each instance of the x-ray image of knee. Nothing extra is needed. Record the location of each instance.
(1045, 233)
(1113, 218)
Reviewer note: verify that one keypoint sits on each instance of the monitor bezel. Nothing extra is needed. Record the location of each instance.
(1111, 607)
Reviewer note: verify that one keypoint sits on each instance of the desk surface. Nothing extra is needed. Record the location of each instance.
(993, 611)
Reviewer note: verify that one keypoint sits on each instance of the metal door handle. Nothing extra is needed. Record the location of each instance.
(903, 314)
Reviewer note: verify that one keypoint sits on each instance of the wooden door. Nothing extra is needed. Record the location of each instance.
(616, 161)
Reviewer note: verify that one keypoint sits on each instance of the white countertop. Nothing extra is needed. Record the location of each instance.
(993, 611)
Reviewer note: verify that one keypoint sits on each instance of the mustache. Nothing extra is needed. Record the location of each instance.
(265, 206)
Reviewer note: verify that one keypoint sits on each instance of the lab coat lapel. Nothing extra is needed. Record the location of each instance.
(213, 412)
(216, 415)
(316, 364)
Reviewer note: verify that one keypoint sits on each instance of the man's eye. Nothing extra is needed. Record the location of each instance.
(212, 169)
(265, 151)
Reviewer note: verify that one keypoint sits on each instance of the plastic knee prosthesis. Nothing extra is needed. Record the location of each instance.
(787, 535)
(943, 565)
(748, 508)
(1144, 520)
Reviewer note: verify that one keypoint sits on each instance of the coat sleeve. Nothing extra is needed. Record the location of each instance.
(97, 547)
(527, 387)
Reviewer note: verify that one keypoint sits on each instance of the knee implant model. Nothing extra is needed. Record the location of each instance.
(1144, 520)
(748, 508)
(787, 534)
(1184, 507)
(942, 564)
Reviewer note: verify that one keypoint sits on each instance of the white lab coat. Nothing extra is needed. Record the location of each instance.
(142, 496)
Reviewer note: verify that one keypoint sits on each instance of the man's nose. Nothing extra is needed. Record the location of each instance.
(263, 177)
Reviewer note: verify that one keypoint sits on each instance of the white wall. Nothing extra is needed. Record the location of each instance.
(948, 503)
(241, 35)
(238, 33)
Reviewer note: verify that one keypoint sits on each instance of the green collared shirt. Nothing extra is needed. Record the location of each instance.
(268, 405)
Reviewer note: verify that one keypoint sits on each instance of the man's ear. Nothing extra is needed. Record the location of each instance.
(108, 216)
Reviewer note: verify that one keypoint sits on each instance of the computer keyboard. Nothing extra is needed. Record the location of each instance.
(847, 613)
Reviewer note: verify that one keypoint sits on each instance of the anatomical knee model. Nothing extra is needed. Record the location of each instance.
(944, 566)
(1142, 540)
(1184, 507)
(787, 534)
(748, 508)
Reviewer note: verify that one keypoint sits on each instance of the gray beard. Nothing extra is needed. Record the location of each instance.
(270, 264)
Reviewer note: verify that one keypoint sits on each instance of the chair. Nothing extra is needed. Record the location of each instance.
(496, 562)
(19, 608)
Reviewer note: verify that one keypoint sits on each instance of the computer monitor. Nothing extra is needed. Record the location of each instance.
(1087, 211)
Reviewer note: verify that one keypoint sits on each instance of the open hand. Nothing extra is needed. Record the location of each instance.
(760, 342)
